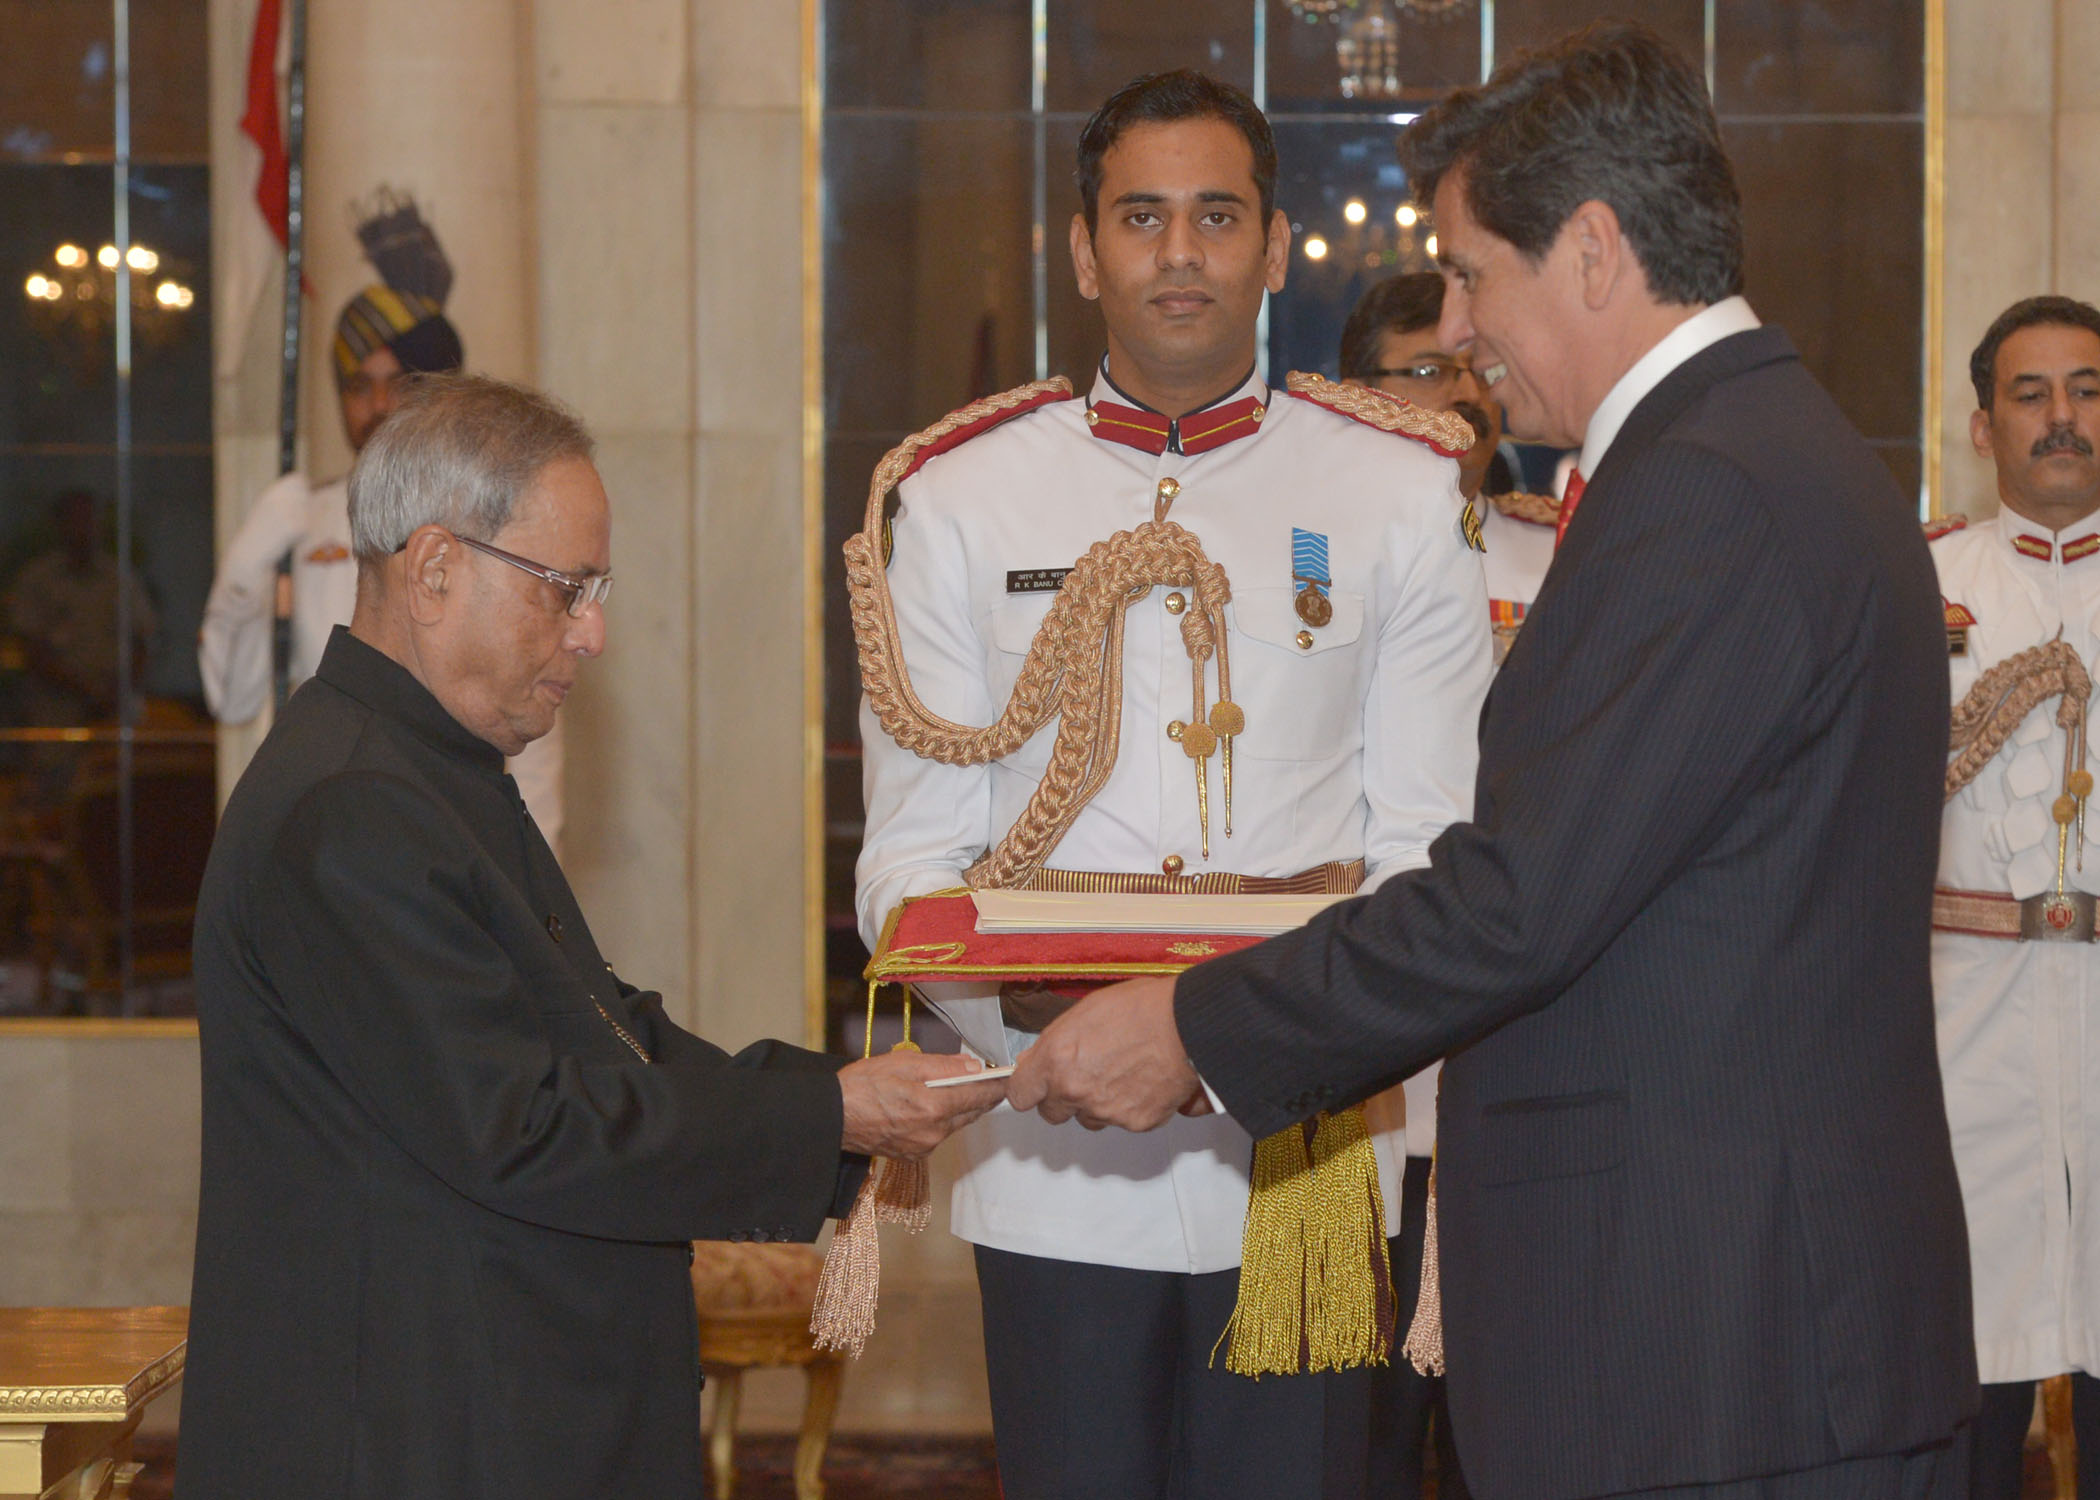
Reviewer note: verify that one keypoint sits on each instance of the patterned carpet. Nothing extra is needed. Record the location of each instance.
(866, 1468)
(855, 1468)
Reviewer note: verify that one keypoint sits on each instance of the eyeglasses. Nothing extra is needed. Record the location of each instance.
(583, 590)
(1438, 370)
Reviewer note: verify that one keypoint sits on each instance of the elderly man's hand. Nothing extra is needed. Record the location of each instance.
(891, 1112)
(1115, 1058)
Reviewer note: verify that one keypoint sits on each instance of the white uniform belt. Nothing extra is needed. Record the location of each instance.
(1335, 878)
(2046, 918)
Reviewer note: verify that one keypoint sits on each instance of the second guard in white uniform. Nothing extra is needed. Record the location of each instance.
(2015, 969)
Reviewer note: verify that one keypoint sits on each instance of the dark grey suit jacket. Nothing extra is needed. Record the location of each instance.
(441, 1247)
(1698, 1208)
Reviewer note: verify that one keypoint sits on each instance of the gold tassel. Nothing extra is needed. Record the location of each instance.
(895, 1192)
(1316, 1285)
(1266, 1329)
(1425, 1334)
(1350, 1279)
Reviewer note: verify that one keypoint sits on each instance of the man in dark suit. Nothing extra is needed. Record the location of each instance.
(1698, 1214)
(452, 1163)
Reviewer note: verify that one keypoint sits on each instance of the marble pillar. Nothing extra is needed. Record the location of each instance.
(2022, 192)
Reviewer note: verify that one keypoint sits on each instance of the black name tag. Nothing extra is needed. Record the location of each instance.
(1035, 580)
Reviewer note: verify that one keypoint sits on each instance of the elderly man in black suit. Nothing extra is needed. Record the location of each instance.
(452, 1163)
(1699, 1220)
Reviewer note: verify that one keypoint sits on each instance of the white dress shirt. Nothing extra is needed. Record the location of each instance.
(1358, 745)
(1710, 325)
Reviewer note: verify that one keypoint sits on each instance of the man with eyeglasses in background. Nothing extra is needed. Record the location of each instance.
(1390, 344)
(452, 1164)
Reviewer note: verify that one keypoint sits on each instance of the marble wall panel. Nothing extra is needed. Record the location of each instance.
(612, 52)
(749, 747)
(615, 269)
(2000, 55)
(629, 728)
(2078, 197)
(747, 56)
(428, 97)
(2077, 44)
(747, 246)
(36, 1146)
(2000, 206)
(124, 1159)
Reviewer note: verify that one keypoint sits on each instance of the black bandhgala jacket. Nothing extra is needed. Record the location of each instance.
(441, 1237)
(1697, 1202)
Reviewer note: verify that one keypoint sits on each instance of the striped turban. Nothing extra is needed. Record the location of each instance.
(415, 328)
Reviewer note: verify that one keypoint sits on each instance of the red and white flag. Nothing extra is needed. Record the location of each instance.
(252, 250)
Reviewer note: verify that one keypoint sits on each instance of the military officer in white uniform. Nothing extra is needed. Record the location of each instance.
(383, 338)
(2017, 992)
(1108, 1262)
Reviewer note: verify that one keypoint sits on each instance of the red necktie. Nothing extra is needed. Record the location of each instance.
(1569, 499)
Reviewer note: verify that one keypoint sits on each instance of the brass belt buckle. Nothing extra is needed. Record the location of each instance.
(2050, 918)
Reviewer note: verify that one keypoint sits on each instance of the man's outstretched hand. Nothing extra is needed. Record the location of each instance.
(891, 1112)
(1115, 1058)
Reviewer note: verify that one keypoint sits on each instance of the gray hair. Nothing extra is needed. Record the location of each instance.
(457, 452)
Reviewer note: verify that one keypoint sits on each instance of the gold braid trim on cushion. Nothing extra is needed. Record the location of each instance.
(1336, 878)
(1446, 431)
(1539, 510)
(1074, 667)
(2003, 696)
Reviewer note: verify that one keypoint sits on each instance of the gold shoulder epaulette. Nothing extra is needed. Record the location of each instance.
(1446, 432)
(1538, 510)
(1945, 526)
(964, 423)
(952, 431)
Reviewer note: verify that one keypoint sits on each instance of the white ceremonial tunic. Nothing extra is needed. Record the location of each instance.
(1358, 745)
(1518, 554)
(2019, 1032)
(312, 522)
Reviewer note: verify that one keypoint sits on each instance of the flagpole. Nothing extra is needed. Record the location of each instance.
(294, 283)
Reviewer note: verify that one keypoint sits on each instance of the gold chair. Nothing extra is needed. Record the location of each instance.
(2056, 1433)
(754, 1304)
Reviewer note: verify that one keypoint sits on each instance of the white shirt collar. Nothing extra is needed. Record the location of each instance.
(1708, 326)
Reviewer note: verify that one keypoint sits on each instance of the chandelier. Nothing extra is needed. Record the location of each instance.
(73, 301)
(1367, 40)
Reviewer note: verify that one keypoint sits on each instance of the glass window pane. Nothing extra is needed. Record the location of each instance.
(171, 305)
(1834, 252)
(1533, 23)
(927, 54)
(169, 64)
(928, 279)
(1833, 57)
(57, 306)
(1097, 46)
(1377, 57)
(55, 77)
(58, 587)
(1325, 168)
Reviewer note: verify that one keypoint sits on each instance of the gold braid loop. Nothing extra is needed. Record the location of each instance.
(1519, 505)
(1987, 716)
(1073, 669)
